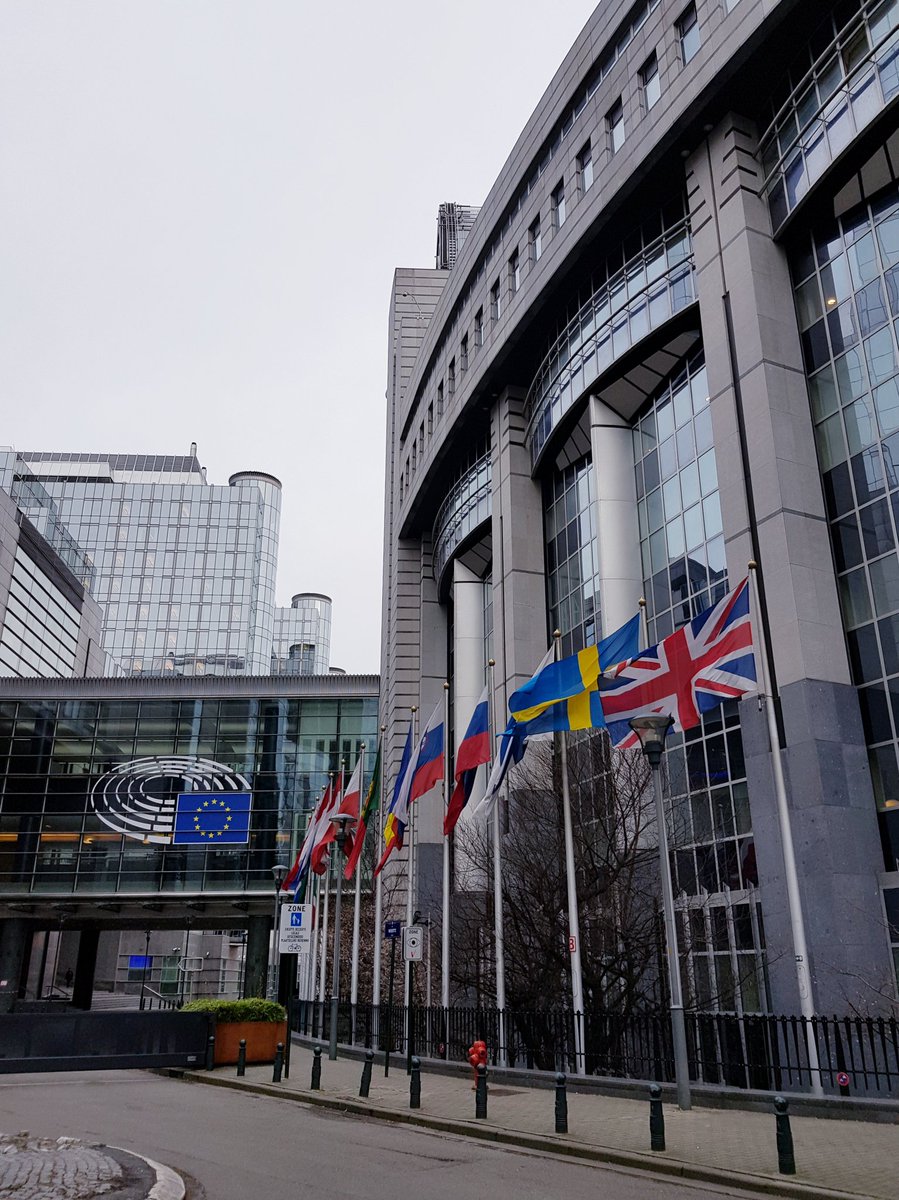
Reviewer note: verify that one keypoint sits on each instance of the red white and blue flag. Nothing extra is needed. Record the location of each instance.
(473, 752)
(314, 833)
(688, 673)
(427, 766)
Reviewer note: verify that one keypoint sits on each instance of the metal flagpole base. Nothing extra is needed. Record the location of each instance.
(681, 1065)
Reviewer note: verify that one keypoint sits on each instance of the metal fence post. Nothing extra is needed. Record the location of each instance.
(279, 1063)
(561, 1104)
(656, 1118)
(480, 1094)
(415, 1083)
(316, 1069)
(242, 1057)
(366, 1074)
(786, 1161)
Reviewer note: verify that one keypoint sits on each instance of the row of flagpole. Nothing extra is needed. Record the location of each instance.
(739, 632)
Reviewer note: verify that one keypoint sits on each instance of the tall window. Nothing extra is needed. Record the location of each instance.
(687, 26)
(463, 353)
(430, 419)
(585, 167)
(558, 204)
(451, 377)
(439, 399)
(496, 302)
(615, 126)
(712, 847)
(650, 81)
(479, 327)
(535, 240)
(514, 273)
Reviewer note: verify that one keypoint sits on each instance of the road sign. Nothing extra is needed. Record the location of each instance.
(413, 943)
(843, 1079)
(296, 928)
(392, 929)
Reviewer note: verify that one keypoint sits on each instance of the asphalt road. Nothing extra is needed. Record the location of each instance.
(245, 1147)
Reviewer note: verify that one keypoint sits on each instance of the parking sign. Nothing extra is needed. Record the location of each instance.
(296, 928)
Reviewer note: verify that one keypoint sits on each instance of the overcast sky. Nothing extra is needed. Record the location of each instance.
(201, 206)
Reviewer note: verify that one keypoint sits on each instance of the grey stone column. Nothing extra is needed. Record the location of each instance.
(519, 581)
(256, 963)
(85, 966)
(14, 935)
(761, 421)
(615, 508)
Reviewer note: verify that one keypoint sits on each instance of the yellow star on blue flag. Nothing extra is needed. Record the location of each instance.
(212, 818)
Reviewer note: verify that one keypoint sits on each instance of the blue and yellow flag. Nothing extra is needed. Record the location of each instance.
(212, 818)
(574, 681)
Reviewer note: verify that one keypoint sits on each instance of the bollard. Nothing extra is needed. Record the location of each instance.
(279, 1063)
(210, 1052)
(786, 1162)
(242, 1057)
(366, 1074)
(415, 1083)
(316, 1069)
(561, 1104)
(480, 1094)
(656, 1118)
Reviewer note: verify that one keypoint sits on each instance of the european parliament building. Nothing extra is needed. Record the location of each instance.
(669, 345)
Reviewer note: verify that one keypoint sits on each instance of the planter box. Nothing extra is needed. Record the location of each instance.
(262, 1039)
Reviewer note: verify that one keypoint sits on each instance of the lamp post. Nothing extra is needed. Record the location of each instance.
(278, 873)
(652, 731)
(340, 822)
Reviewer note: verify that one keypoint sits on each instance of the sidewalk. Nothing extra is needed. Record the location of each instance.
(848, 1158)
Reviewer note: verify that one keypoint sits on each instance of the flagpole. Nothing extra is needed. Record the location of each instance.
(445, 935)
(794, 899)
(357, 899)
(379, 904)
(323, 965)
(410, 876)
(499, 942)
(574, 933)
(644, 623)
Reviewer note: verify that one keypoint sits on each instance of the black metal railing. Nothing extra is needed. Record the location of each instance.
(858, 1056)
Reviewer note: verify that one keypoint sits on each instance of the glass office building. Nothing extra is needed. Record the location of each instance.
(184, 570)
(159, 805)
(91, 787)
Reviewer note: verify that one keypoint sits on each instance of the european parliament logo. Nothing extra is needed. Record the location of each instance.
(212, 818)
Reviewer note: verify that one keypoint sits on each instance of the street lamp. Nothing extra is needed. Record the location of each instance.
(340, 822)
(652, 731)
(278, 872)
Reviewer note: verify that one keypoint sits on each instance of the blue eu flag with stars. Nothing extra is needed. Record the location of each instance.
(212, 818)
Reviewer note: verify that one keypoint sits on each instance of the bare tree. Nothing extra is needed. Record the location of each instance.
(616, 862)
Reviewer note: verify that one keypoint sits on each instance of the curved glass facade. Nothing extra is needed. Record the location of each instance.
(847, 299)
(629, 302)
(713, 853)
(467, 505)
(848, 73)
(53, 753)
(571, 562)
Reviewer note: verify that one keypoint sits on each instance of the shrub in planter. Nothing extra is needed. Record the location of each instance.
(261, 1023)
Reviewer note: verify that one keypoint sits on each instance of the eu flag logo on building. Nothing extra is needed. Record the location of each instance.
(212, 818)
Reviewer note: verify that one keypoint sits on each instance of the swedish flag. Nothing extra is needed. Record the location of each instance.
(212, 818)
(569, 685)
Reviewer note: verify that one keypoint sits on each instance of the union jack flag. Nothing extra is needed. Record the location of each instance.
(708, 661)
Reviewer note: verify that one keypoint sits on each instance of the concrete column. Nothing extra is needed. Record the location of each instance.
(521, 637)
(761, 416)
(15, 934)
(85, 966)
(256, 967)
(434, 670)
(615, 514)
(469, 673)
